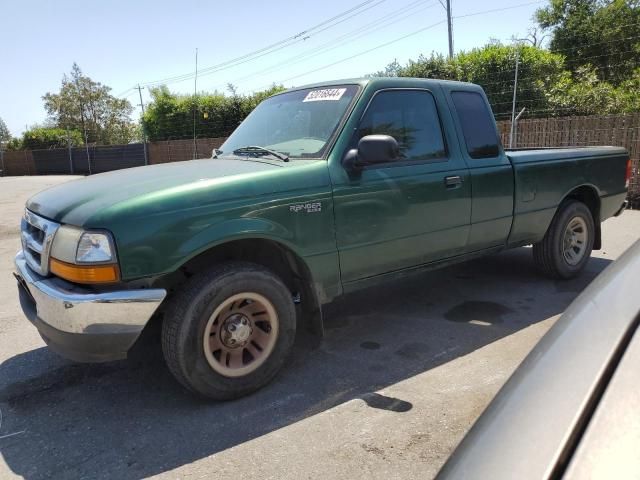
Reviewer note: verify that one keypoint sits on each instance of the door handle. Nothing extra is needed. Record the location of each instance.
(453, 181)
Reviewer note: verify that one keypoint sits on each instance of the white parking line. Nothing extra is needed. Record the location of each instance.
(9, 434)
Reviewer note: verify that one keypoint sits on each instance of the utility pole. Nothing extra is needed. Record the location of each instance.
(60, 120)
(447, 7)
(195, 106)
(513, 103)
(515, 129)
(450, 28)
(86, 144)
(70, 152)
(144, 129)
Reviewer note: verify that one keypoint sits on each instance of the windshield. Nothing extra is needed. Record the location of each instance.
(296, 124)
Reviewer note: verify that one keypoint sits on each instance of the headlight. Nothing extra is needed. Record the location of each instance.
(83, 256)
(94, 248)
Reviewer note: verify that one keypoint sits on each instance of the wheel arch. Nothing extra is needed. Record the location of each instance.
(589, 195)
(273, 254)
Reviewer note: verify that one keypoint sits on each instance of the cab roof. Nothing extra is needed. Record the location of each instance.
(388, 82)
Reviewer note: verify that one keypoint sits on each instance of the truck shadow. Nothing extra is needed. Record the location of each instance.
(130, 419)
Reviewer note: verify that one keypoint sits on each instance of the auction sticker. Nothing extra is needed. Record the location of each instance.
(325, 94)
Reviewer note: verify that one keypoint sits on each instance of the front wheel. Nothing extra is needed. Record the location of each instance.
(228, 331)
(566, 247)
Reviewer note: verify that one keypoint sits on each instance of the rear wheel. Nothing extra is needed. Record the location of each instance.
(228, 331)
(566, 247)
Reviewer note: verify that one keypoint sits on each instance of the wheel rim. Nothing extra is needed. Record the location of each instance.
(574, 243)
(240, 334)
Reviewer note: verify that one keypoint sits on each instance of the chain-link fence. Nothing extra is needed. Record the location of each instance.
(103, 158)
(70, 161)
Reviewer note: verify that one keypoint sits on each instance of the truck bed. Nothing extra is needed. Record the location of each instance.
(544, 176)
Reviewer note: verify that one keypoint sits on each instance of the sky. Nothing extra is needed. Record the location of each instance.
(121, 43)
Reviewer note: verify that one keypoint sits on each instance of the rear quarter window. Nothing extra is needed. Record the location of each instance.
(477, 124)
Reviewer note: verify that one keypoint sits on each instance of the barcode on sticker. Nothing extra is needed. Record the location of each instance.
(324, 95)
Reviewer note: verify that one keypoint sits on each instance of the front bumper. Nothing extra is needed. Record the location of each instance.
(79, 323)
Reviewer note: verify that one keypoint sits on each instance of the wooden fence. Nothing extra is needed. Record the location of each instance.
(620, 130)
(180, 150)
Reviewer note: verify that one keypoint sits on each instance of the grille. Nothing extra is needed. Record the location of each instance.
(37, 235)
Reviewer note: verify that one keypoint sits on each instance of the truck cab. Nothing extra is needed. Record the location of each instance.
(417, 207)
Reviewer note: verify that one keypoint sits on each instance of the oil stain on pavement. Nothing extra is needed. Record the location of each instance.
(382, 402)
(370, 345)
(412, 351)
(474, 311)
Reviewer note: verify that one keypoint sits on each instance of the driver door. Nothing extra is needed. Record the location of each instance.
(411, 211)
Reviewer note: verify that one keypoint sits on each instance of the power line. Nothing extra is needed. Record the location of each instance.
(367, 29)
(484, 12)
(406, 36)
(508, 79)
(618, 40)
(214, 69)
(615, 42)
(179, 78)
(132, 89)
(215, 127)
(225, 126)
(125, 92)
(415, 32)
(301, 36)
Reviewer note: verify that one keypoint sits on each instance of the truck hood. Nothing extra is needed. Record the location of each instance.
(75, 202)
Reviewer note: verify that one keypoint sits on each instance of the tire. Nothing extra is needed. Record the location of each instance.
(558, 254)
(190, 333)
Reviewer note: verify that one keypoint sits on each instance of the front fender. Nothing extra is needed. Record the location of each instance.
(236, 229)
(157, 245)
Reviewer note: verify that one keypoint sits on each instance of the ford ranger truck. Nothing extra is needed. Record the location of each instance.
(321, 190)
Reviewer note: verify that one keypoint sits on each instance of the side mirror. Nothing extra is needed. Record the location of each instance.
(372, 149)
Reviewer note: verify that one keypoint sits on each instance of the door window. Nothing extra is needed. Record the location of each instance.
(411, 117)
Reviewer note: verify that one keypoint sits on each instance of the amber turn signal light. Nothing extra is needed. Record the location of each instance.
(84, 273)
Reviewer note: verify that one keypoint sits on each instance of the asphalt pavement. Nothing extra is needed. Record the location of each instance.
(401, 375)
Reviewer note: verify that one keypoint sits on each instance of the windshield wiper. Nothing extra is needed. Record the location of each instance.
(257, 149)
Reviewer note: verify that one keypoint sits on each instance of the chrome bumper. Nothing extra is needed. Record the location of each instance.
(81, 324)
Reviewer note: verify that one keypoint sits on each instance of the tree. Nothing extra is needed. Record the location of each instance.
(49, 137)
(629, 89)
(5, 135)
(14, 144)
(170, 115)
(584, 94)
(87, 106)
(391, 70)
(600, 33)
(493, 67)
(534, 37)
(434, 66)
(545, 87)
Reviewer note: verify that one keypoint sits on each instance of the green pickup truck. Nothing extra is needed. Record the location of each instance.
(321, 190)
